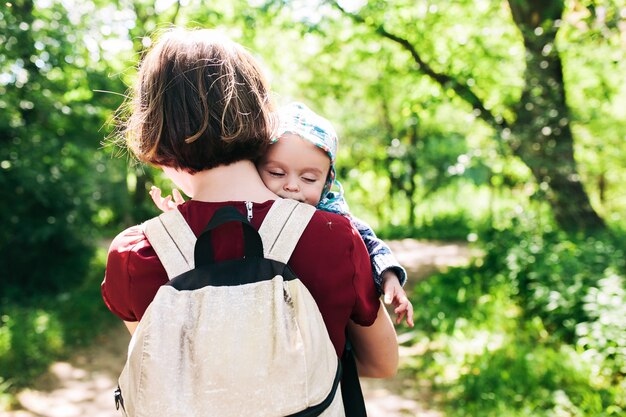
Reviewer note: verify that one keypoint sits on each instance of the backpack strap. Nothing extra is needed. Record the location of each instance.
(284, 224)
(173, 241)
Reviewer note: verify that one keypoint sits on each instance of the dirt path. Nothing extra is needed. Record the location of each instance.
(402, 396)
(83, 386)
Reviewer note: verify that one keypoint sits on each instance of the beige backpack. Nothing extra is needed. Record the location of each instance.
(231, 339)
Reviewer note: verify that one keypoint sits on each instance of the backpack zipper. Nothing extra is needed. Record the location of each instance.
(249, 209)
(119, 400)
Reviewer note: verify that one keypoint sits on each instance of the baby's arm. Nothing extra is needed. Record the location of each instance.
(381, 256)
(389, 276)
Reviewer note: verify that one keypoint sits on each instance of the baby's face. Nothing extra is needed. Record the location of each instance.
(295, 168)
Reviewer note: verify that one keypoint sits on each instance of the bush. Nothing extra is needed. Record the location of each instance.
(43, 242)
(603, 336)
(45, 329)
(537, 327)
(521, 379)
(550, 273)
(29, 340)
(457, 296)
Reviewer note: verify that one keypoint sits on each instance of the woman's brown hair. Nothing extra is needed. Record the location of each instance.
(201, 101)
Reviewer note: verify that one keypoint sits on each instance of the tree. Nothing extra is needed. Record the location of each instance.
(53, 175)
(538, 128)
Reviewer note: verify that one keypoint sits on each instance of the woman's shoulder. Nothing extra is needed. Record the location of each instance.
(331, 222)
(333, 232)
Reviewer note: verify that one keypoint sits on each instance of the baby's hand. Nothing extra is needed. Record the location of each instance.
(394, 294)
(166, 203)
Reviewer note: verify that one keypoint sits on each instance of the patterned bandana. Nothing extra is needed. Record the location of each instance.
(298, 119)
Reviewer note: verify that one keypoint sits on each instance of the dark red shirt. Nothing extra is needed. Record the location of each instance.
(330, 259)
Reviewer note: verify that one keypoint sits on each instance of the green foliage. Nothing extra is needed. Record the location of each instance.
(50, 162)
(552, 272)
(521, 379)
(30, 338)
(80, 310)
(542, 311)
(34, 334)
(603, 335)
(43, 245)
(459, 296)
(534, 328)
(445, 226)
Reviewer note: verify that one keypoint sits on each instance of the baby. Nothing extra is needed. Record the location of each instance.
(300, 165)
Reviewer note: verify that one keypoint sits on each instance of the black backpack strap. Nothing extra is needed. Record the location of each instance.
(317, 409)
(253, 246)
(352, 395)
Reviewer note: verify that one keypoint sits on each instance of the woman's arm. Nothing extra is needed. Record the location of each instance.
(375, 347)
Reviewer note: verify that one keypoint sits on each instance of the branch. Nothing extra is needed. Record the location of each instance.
(444, 80)
(175, 16)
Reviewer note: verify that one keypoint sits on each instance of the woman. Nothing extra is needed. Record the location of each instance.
(202, 112)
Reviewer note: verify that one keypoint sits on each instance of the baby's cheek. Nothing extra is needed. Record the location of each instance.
(315, 195)
(314, 201)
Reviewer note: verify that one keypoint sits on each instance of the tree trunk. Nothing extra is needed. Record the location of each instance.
(413, 167)
(541, 135)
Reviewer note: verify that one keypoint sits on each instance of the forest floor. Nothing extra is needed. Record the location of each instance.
(83, 385)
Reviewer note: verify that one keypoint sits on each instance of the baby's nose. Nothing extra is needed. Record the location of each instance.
(291, 186)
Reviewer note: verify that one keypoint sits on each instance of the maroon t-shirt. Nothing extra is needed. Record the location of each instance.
(330, 259)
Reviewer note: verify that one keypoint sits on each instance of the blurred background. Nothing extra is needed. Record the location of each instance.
(497, 125)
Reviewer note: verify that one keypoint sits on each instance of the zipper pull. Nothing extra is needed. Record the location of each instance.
(249, 208)
(118, 399)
